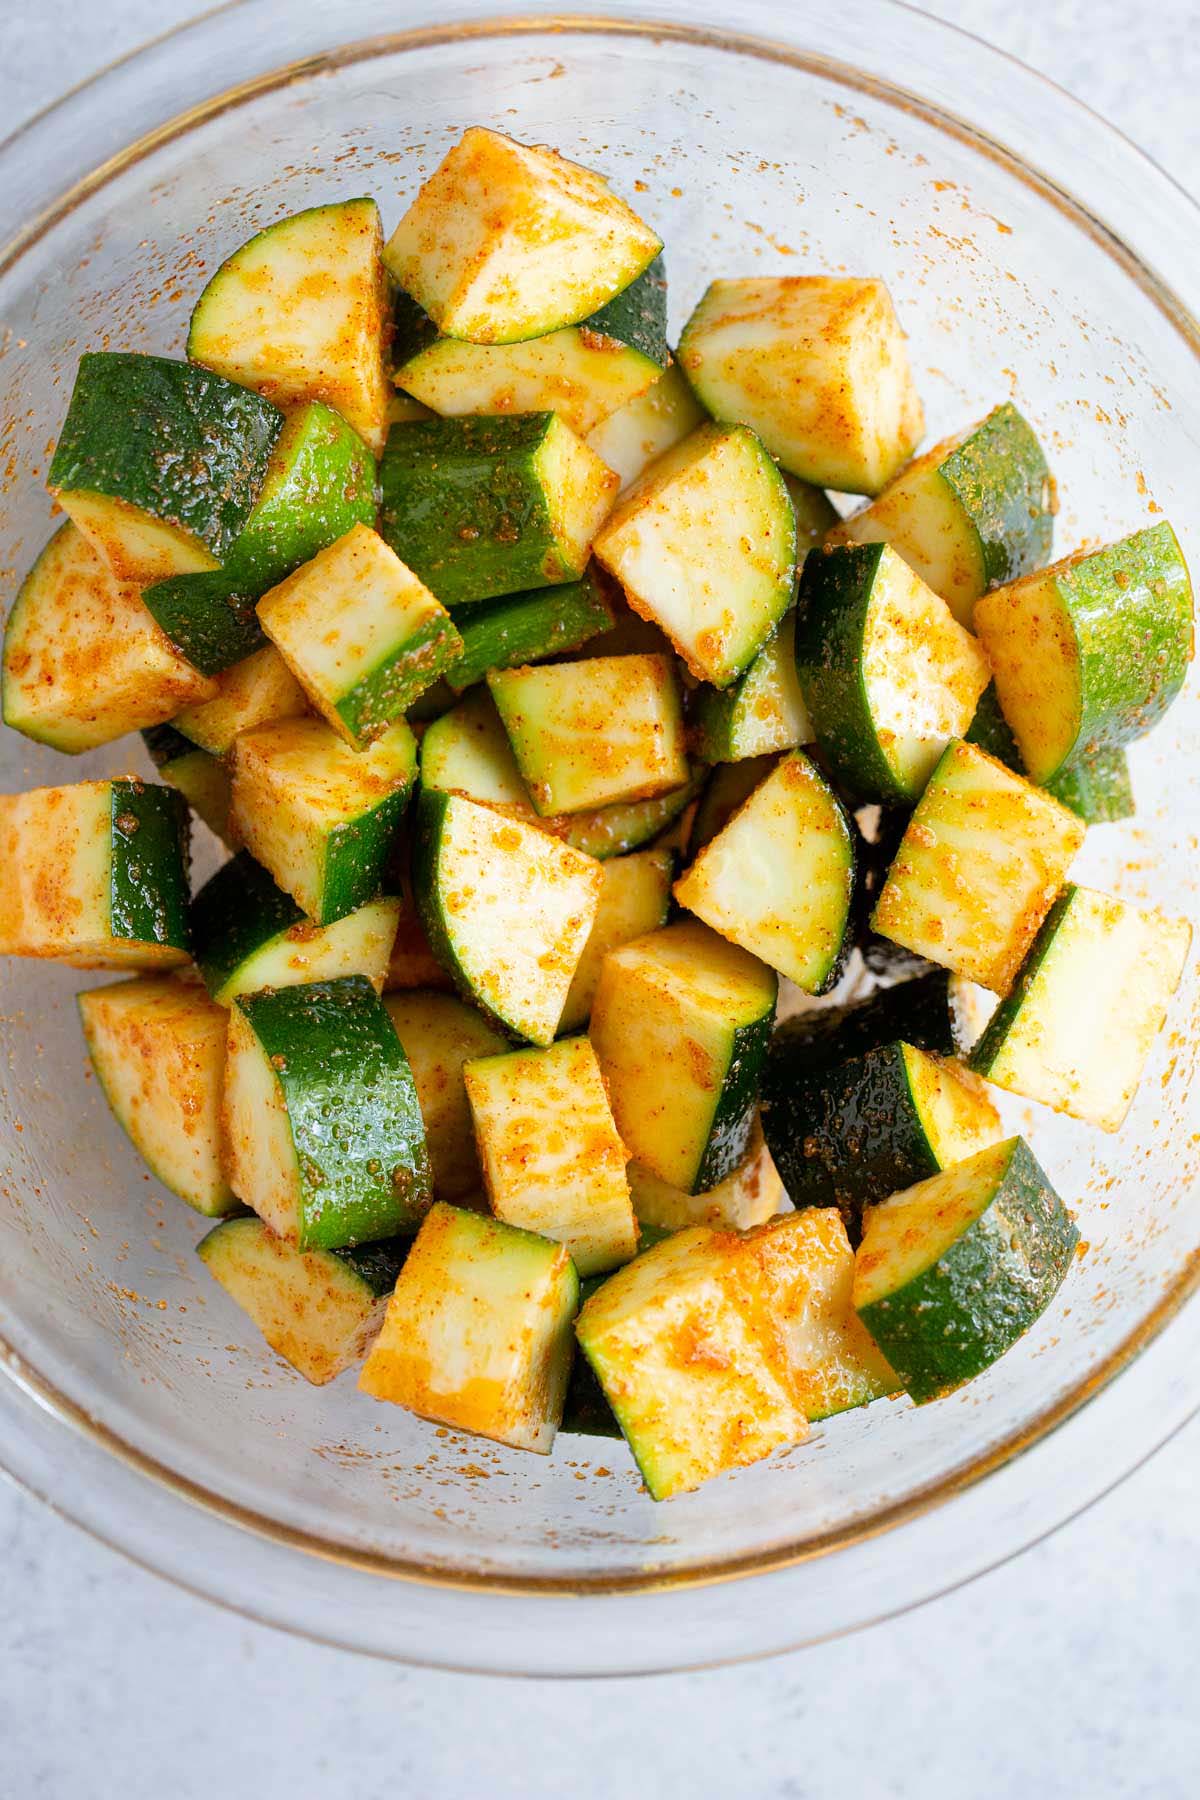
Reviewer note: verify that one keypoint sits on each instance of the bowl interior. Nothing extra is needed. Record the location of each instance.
(745, 162)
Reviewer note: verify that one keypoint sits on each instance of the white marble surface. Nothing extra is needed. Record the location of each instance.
(1069, 1673)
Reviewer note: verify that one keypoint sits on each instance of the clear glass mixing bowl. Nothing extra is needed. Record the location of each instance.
(1032, 252)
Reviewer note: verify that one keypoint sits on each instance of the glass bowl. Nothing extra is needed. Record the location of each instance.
(1032, 253)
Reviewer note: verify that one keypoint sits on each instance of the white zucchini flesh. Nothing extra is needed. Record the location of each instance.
(646, 428)
(440, 1034)
(749, 1196)
(260, 1152)
(635, 894)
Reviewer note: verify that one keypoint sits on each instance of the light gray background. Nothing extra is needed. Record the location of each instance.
(1069, 1675)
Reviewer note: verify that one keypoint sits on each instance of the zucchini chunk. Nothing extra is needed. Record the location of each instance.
(440, 1033)
(816, 515)
(724, 790)
(1097, 786)
(991, 731)
(643, 429)
(552, 1160)
(586, 1411)
(413, 964)
(594, 733)
(583, 372)
(779, 879)
(95, 875)
(704, 545)
(851, 1133)
(516, 629)
(681, 1021)
(256, 691)
(201, 778)
(361, 634)
(616, 830)
(483, 507)
(888, 673)
(509, 241)
(159, 463)
(300, 312)
(507, 908)
(318, 1309)
(927, 1011)
(691, 1361)
(761, 712)
(817, 366)
(84, 662)
(323, 1131)
(983, 859)
(972, 512)
(248, 934)
(1078, 1026)
(953, 1271)
(320, 816)
(157, 1045)
(750, 1194)
(477, 1334)
(807, 1264)
(320, 481)
(635, 897)
(1090, 653)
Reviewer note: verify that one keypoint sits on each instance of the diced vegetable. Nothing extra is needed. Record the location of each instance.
(817, 366)
(749, 1195)
(705, 546)
(816, 515)
(413, 963)
(508, 241)
(318, 1309)
(1080, 1021)
(681, 1020)
(982, 861)
(726, 787)
(440, 1033)
(159, 463)
(526, 628)
(778, 879)
(926, 1011)
(888, 674)
(952, 1272)
(201, 778)
(631, 439)
(635, 895)
(253, 692)
(323, 1130)
(157, 1045)
(320, 816)
(300, 312)
(478, 1331)
(990, 730)
(362, 635)
(95, 875)
(1097, 786)
(761, 712)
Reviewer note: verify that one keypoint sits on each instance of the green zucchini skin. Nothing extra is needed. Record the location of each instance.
(526, 628)
(992, 732)
(236, 912)
(737, 1108)
(1097, 786)
(586, 1410)
(831, 618)
(352, 1107)
(1000, 476)
(175, 440)
(207, 617)
(637, 316)
(376, 1265)
(357, 855)
(921, 1012)
(875, 852)
(390, 688)
(958, 1317)
(148, 893)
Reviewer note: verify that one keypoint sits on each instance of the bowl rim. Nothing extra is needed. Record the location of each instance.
(612, 18)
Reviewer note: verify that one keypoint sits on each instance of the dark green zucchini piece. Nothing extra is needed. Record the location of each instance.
(201, 778)
(925, 1012)
(516, 629)
(1097, 786)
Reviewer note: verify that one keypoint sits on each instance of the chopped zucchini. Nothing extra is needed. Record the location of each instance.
(524, 628)
(84, 662)
(256, 691)
(583, 372)
(318, 1309)
(888, 673)
(681, 1021)
(1079, 1024)
(157, 1045)
(631, 439)
(509, 241)
(779, 879)
(705, 546)
(320, 816)
(159, 463)
(413, 963)
(552, 1160)
(990, 730)
(926, 1011)
(952, 1272)
(362, 635)
(478, 1331)
(690, 1361)
(586, 1410)
(816, 515)
(508, 909)
(300, 312)
(817, 366)
(972, 512)
(726, 787)
(202, 779)
(1097, 786)
(323, 1131)
(594, 733)
(1090, 653)
(616, 830)
(983, 858)
(635, 895)
(440, 1033)
(750, 1194)
(248, 934)
(762, 712)
(95, 875)
(483, 507)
